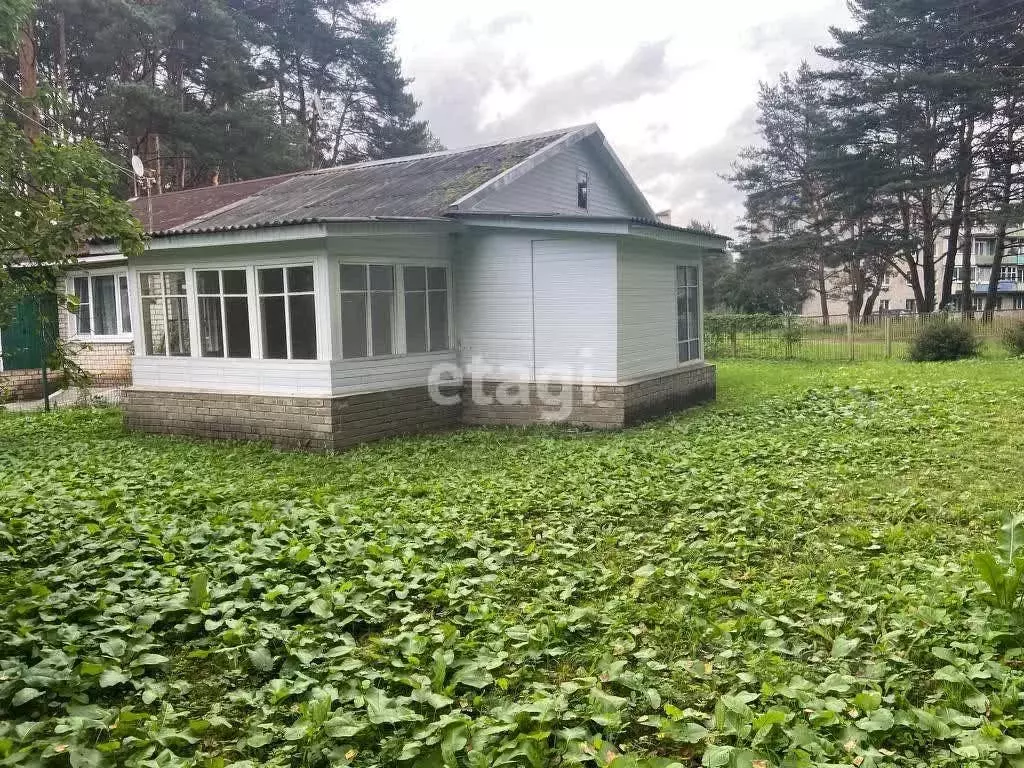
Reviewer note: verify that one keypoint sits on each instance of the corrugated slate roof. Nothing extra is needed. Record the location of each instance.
(172, 209)
(419, 186)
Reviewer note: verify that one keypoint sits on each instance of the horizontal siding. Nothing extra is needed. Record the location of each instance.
(493, 300)
(647, 307)
(551, 187)
(309, 378)
(575, 308)
(358, 376)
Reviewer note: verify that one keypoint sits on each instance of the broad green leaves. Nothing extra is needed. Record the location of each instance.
(780, 582)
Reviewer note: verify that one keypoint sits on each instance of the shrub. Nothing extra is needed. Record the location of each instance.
(943, 340)
(1013, 340)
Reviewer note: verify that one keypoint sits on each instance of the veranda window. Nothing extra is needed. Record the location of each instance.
(102, 305)
(223, 301)
(688, 313)
(426, 309)
(287, 313)
(367, 310)
(165, 313)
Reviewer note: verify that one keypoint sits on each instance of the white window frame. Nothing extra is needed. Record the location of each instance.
(883, 305)
(396, 281)
(399, 343)
(262, 351)
(122, 336)
(988, 250)
(427, 291)
(249, 278)
(1009, 269)
(1018, 301)
(700, 314)
(190, 307)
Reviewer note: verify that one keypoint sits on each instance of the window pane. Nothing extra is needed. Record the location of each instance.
(174, 283)
(275, 333)
(236, 326)
(234, 281)
(303, 327)
(150, 284)
(104, 305)
(353, 325)
(694, 350)
(353, 277)
(684, 352)
(126, 312)
(177, 327)
(382, 278)
(380, 322)
(210, 331)
(693, 317)
(153, 327)
(208, 282)
(300, 279)
(415, 321)
(82, 292)
(415, 278)
(272, 281)
(437, 277)
(680, 277)
(438, 306)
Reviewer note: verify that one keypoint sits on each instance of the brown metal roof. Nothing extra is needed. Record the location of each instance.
(418, 186)
(172, 209)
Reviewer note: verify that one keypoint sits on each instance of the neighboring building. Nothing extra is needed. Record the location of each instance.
(520, 282)
(897, 296)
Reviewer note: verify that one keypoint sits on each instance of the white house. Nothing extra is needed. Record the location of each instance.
(518, 282)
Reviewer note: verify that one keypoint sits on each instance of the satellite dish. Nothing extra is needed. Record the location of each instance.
(138, 167)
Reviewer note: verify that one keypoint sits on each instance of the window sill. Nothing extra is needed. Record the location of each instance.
(406, 356)
(119, 338)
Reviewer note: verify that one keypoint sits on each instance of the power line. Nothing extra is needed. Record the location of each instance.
(57, 126)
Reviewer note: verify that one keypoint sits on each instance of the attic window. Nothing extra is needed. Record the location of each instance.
(582, 188)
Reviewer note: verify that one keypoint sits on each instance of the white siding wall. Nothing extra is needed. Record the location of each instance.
(647, 307)
(551, 188)
(509, 284)
(575, 308)
(494, 299)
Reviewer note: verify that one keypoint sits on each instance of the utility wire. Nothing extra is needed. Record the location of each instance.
(48, 130)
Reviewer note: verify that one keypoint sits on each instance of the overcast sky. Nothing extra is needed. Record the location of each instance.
(672, 83)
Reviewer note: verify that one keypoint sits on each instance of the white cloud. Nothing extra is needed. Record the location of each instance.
(671, 84)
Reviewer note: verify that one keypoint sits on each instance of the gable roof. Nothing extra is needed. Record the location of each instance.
(417, 187)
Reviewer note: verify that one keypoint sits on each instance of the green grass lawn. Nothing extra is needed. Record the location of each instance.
(781, 579)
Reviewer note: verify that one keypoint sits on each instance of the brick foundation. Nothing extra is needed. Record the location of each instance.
(340, 422)
(317, 424)
(596, 406)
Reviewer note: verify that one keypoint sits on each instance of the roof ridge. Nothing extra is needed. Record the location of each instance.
(560, 132)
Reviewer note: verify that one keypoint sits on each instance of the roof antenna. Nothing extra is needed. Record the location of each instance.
(140, 175)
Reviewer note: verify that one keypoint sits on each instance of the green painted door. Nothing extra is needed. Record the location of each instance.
(21, 343)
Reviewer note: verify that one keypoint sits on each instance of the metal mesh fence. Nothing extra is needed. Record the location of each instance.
(803, 337)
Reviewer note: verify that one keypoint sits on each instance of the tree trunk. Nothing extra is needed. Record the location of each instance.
(927, 290)
(956, 220)
(1005, 199)
(822, 291)
(29, 86)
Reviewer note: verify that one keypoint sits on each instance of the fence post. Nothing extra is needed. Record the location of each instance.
(849, 334)
(887, 322)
